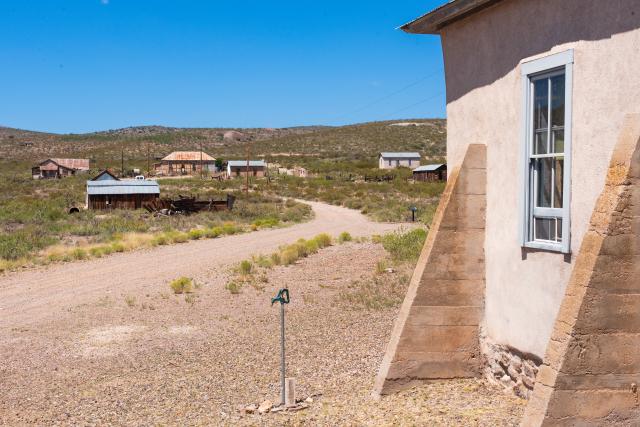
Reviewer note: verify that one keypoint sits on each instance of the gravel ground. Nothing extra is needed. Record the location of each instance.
(149, 357)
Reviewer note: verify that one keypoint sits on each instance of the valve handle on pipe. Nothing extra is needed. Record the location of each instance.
(282, 297)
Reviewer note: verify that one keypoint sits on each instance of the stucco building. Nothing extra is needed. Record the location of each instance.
(257, 168)
(531, 272)
(388, 160)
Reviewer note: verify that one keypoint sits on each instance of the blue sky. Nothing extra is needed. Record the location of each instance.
(86, 65)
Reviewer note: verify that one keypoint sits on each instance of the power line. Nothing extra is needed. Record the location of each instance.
(414, 105)
(384, 98)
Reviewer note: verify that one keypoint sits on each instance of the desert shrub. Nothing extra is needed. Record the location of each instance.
(21, 243)
(381, 266)
(245, 267)
(311, 246)
(289, 256)
(266, 222)
(323, 240)
(182, 285)
(179, 237)
(96, 251)
(118, 247)
(344, 237)
(213, 232)
(79, 253)
(229, 228)
(379, 293)
(195, 234)
(405, 246)
(263, 261)
(276, 258)
(234, 287)
(161, 239)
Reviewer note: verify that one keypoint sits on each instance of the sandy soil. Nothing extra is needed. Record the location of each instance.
(107, 343)
(31, 296)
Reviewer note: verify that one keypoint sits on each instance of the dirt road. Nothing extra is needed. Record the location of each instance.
(32, 296)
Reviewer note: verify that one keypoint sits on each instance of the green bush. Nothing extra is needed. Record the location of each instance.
(234, 287)
(311, 246)
(182, 285)
(323, 240)
(405, 246)
(276, 258)
(117, 247)
(212, 233)
(344, 237)
(289, 256)
(245, 267)
(195, 234)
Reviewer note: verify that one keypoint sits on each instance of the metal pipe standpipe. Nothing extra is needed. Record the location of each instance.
(283, 298)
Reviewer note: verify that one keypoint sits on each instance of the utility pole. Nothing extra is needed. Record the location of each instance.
(201, 164)
(148, 164)
(122, 162)
(247, 171)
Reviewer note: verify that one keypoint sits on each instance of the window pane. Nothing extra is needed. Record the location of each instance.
(541, 104)
(543, 169)
(558, 141)
(559, 229)
(557, 101)
(545, 228)
(558, 182)
(540, 142)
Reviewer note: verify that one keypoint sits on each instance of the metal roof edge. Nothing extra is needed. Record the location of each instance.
(434, 21)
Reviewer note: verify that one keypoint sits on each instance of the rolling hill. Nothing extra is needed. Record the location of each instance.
(352, 142)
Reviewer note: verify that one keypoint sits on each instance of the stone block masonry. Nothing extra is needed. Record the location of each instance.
(509, 368)
(436, 333)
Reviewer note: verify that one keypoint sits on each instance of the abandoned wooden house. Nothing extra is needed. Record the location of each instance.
(257, 168)
(185, 163)
(388, 160)
(105, 191)
(59, 168)
(530, 273)
(430, 173)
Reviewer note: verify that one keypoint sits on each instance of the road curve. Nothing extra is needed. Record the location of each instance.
(35, 294)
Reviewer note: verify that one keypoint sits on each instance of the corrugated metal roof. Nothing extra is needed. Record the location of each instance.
(188, 156)
(428, 168)
(77, 164)
(129, 186)
(388, 155)
(241, 163)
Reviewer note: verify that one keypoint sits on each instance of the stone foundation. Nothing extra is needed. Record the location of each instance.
(509, 368)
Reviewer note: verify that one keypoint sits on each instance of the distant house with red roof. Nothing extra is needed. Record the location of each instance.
(185, 163)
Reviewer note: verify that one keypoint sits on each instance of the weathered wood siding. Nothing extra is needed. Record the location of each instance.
(120, 201)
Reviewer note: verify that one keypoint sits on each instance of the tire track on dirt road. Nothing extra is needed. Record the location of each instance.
(35, 294)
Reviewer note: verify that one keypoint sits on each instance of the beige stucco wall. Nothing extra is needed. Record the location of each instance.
(484, 94)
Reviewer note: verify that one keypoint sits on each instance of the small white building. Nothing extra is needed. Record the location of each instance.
(388, 160)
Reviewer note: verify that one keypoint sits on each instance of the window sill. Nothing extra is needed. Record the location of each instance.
(545, 246)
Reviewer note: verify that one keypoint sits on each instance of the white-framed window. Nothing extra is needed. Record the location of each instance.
(546, 147)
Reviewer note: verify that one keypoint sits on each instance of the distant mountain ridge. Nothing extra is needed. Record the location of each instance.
(357, 141)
